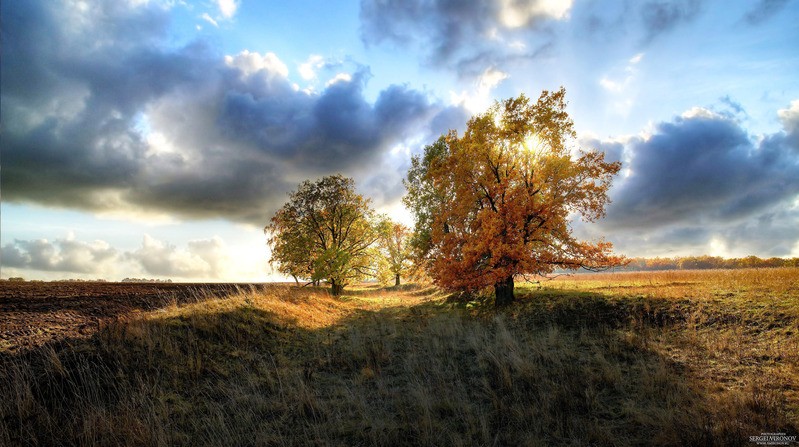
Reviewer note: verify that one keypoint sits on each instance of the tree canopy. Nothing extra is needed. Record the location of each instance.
(497, 201)
(325, 231)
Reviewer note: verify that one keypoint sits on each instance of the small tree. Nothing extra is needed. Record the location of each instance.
(324, 231)
(496, 202)
(395, 252)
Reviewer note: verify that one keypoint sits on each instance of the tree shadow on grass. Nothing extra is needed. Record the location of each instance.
(552, 369)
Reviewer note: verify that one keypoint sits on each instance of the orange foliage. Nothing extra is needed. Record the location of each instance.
(508, 187)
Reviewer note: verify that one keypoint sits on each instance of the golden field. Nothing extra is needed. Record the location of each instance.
(656, 358)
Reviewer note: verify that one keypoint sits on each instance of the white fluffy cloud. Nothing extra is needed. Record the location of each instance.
(309, 68)
(199, 260)
(163, 259)
(60, 255)
(249, 63)
(516, 14)
(210, 259)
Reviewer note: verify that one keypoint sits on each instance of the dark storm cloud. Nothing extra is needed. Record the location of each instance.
(70, 97)
(221, 187)
(703, 170)
(85, 93)
(332, 131)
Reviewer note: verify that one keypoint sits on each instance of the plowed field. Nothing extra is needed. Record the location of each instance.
(36, 313)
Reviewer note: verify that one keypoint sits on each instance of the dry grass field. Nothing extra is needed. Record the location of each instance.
(666, 358)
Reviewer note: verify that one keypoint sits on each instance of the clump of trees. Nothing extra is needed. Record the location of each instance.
(495, 203)
(490, 205)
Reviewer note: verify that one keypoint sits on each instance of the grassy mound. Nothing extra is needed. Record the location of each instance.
(621, 359)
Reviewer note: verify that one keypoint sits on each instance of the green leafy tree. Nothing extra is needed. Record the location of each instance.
(325, 231)
(394, 257)
(496, 202)
(425, 198)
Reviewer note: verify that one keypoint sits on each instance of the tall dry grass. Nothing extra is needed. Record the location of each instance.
(602, 360)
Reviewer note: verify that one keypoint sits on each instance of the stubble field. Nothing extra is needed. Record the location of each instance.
(665, 358)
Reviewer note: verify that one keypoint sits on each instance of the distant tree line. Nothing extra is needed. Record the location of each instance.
(146, 280)
(79, 280)
(705, 262)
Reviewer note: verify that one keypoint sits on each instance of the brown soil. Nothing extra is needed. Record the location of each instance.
(35, 313)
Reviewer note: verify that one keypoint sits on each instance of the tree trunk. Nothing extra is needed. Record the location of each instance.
(503, 290)
(396, 280)
(296, 280)
(336, 288)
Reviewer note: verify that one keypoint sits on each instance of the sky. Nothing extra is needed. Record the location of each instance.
(156, 138)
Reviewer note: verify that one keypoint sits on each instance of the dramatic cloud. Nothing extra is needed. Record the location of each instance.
(101, 112)
(61, 255)
(703, 166)
(330, 131)
(465, 34)
(201, 259)
(472, 37)
(703, 178)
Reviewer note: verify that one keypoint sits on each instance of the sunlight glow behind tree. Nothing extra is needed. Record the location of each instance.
(495, 203)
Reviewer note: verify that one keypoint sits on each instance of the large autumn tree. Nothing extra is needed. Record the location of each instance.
(325, 231)
(496, 202)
